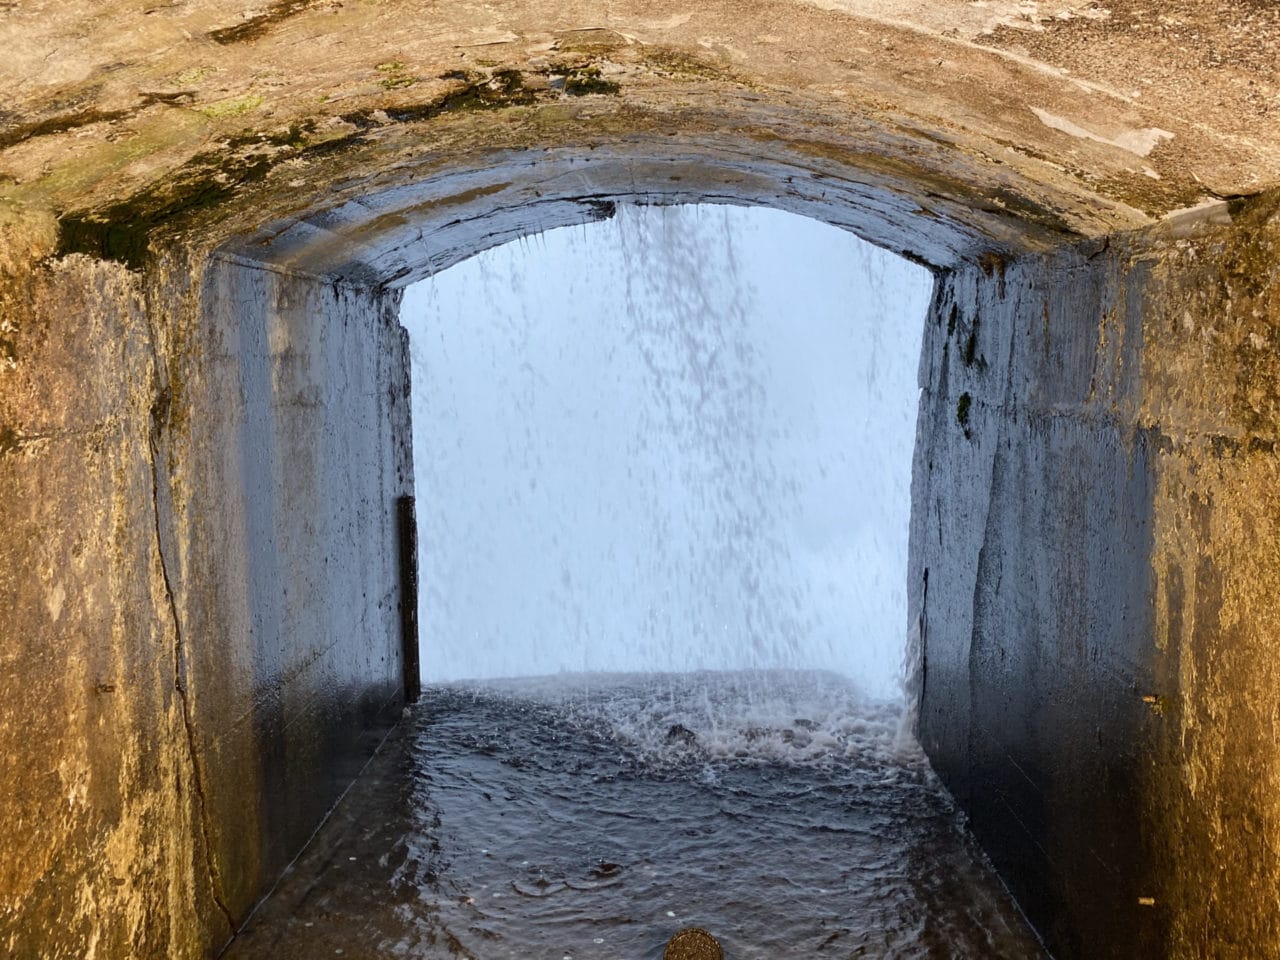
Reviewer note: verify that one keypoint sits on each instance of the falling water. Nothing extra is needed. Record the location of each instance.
(662, 471)
(679, 439)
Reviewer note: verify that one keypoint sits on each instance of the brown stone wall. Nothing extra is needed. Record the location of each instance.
(201, 634)
(1097, 514)
(1212, 389)
(96, 780)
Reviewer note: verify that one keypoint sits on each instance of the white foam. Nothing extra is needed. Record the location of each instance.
(789, 717)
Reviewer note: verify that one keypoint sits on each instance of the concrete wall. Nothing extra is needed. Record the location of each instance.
(200, 572)
(299, 426)
(1095, 464)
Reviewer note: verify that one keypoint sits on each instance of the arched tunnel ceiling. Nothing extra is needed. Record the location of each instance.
(380, 139)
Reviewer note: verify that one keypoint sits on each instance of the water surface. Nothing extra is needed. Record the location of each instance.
(592, 817)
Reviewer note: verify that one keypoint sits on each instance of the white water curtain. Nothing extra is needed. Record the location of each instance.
(676, 440)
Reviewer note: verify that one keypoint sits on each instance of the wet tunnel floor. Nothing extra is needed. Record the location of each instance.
(591, 818)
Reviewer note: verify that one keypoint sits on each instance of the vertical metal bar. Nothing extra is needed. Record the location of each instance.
(407, 524)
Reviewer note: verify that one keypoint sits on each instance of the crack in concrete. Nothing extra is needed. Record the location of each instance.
(159, 412)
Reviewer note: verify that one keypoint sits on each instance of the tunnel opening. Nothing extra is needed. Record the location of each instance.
(662, 473)
(673, 440)
(305, 335)
(1005, 351)
(203, 411)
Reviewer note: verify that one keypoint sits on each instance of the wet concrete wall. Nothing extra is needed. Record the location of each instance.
(1096, 454)
(300, 434)
(198, 566)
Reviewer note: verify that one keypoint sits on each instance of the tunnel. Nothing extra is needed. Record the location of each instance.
(208, 212)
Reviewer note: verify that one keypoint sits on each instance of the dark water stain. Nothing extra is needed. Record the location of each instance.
(253, 28)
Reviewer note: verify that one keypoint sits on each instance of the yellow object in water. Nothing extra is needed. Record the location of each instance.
(693, 943)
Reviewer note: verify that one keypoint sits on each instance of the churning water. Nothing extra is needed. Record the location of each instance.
(591, 818)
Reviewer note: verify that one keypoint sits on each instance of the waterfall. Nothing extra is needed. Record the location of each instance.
(679, 439)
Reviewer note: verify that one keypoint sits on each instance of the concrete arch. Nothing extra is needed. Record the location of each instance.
(206, 213)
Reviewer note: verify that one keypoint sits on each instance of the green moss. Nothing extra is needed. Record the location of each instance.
(232, 107)
(397, 82)
(123, 231)
(394, 75)
(190, 76)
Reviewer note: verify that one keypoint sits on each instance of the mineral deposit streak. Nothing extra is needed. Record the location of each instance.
(592, 817)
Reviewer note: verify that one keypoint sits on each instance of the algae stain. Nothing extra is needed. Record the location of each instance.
(60, 123)
(122, 231)
(394, 75)
(970, 352)
(682, 65)
(87, 169)
(254, 27)
(190, 76)
(232, 107)
(993, 264)
(504, 88)
(580, 81)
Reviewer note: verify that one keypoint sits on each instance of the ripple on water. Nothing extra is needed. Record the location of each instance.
(592, 817)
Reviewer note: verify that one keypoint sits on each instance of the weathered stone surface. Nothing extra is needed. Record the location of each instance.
(1029, 580)
(1211, 389)
(205, 209)
(102, 839)
(1014, 124)
(1092, 584)
(203, 622)
(293, 447)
